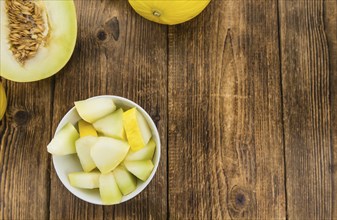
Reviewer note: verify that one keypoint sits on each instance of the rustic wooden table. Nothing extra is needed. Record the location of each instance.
(244, 97)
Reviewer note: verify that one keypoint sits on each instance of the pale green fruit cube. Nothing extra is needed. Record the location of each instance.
(108, 189)
(83, 148)
(141, 169)
(125, 180)
(146, 153)
(84, 180)
(64, 141)
(93, 109)
(108, 153)
(111, 125)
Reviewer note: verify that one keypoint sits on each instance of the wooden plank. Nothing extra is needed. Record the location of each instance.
(330, 27)
(117, 53)
(305, 77)
(24, 161)
(225, 115)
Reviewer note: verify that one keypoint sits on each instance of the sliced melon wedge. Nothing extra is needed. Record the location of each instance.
(125, 180)
(108, 153)
(141, 169)
(86, 129)
(64, 141)
(111, 125)
(136, 128)
(36, 42)
(83, 149)
(93, 109)
(146, 153)
(108, 189)
(84, 180)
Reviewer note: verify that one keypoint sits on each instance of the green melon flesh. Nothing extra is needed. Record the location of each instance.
(108, 153)
(84, 180)
(83, 148)
(146, 153)
(93, 109)
(108, 189)
(60, 23)
(141, 169)
(125, 180)
(111, 125)
(64, 141)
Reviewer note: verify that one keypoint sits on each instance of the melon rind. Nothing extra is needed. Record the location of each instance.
(172, 12)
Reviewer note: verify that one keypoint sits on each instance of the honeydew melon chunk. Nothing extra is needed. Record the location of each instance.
(60, 37)
(136, 128)
(84, 180)
(93, 109)
(86, 129)
(141, 169)
(108, 153)
(64, 141)
(108, 189)
(146, 153)
(125, 180)
(111, 125)
(83, 148)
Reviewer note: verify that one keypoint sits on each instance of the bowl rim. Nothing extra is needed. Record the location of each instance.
(156, 158)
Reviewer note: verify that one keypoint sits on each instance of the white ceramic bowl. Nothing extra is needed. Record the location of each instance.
(70, 163)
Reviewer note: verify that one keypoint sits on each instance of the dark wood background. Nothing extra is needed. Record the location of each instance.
(244, 97)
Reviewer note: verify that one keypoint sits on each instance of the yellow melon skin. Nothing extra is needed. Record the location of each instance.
(50, 58)
(169, 12)
(3, 101)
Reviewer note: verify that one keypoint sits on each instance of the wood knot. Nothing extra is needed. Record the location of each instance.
(112, 26)
(21, 117)
(156, 119)
(101, 35)
(239, 201)
(155, 115)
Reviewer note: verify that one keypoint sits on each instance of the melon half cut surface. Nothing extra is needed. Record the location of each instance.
(37, 38)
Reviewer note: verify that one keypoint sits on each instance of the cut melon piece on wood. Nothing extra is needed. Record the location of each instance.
(111, 125)
(108, 153)
(108, 189)
(146, 153)
(84, 180)
(86, 129)
(136, 128)
(93, 109)
(83, 148)
(42, 40)
(141, 169)
(64, 141)
(125, 180)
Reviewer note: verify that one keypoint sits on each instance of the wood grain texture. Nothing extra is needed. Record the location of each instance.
(306, 95)
(24, 162)
(225, 116)
(330, 27)
(244, 97)
(117, 53)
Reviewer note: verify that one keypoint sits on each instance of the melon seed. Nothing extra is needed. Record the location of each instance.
(25, 22)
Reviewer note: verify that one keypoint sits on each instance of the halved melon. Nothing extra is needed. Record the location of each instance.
(37, 38)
